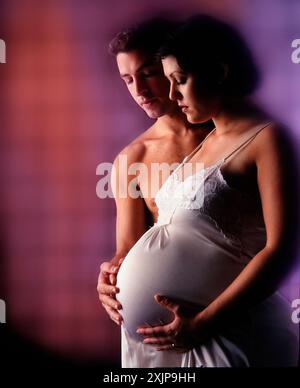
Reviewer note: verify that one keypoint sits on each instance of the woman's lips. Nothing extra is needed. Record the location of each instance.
(184, 108)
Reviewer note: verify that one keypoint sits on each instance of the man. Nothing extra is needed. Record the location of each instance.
(168, 140)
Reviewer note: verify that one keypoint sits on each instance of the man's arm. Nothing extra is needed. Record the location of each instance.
(130, 226)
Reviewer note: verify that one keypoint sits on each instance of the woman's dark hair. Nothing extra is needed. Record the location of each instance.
(147, 36)
(214, 53)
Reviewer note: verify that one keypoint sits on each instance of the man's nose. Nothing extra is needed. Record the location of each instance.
(140, 88)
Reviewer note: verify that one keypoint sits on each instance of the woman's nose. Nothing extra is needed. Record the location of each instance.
(173, 94)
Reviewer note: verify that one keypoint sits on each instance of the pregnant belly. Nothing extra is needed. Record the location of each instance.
(178, 261)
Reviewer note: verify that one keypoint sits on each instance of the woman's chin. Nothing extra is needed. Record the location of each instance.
(194, 119)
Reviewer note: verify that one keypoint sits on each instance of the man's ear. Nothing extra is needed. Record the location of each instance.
(223, 73)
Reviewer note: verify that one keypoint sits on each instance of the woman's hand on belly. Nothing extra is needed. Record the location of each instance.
(183, 333)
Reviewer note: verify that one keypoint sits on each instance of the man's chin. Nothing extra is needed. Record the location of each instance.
(153, 114)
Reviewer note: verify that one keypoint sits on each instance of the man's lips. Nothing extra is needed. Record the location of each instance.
(148, 102)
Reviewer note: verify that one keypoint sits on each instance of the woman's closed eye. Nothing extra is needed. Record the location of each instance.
(180, 81)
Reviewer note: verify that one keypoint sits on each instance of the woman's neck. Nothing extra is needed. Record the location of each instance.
(236, 117)
(176, 122)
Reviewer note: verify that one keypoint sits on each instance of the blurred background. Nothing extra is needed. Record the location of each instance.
(64, 110)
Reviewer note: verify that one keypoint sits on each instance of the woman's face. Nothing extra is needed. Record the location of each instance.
(186, 92)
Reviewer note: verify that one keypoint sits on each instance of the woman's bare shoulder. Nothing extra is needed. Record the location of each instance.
(275, 139)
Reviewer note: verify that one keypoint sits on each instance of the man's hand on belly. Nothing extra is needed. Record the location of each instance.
(107, 290)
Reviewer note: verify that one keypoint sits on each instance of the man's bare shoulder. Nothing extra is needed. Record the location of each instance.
(136, 150)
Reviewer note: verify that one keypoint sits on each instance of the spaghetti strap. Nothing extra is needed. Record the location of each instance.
(189, 156)
(244, 143)
(186, 158)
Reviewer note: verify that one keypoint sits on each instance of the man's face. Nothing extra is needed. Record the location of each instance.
(146, 82)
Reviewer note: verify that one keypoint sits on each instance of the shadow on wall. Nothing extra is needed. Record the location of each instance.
(32, 363)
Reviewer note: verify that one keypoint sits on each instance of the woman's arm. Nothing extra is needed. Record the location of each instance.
(276, 180)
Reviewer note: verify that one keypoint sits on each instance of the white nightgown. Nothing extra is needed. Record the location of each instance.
(219, 234)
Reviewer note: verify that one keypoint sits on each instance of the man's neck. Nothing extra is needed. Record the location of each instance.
(175, 123)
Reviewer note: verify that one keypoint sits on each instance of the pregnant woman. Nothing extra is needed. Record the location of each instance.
(225, 234)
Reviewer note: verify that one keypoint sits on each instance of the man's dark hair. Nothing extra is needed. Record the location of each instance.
(205, 46)
(147, 36)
